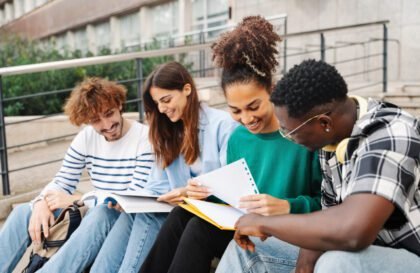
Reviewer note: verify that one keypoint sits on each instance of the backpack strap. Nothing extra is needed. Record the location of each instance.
(75, 218)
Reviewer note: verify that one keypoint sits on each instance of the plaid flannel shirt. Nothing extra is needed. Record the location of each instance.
(382, 158)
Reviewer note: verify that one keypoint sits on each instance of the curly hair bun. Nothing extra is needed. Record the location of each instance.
(252, 43)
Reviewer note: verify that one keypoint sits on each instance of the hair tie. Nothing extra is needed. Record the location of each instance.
(254, 68)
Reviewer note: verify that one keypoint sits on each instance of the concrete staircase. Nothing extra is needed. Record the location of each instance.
(407, 97)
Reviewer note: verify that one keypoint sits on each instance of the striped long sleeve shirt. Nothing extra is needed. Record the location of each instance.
(114, 166)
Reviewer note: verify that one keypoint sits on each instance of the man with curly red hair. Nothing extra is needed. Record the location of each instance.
(117, 155)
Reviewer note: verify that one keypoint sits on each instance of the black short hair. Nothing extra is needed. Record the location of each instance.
(307, 85)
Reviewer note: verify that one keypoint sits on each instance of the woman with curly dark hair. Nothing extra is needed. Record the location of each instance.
(186, 243)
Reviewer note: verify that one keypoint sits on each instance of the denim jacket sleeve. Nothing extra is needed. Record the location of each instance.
(158, 182)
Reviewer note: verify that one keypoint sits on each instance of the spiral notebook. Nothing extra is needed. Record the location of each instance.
(229, 184)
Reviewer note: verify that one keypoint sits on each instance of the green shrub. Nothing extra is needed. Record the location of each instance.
(18, 51)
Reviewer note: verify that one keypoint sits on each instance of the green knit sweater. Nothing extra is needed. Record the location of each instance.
(280, 167)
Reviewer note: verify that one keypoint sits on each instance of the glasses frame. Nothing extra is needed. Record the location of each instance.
(288, 135)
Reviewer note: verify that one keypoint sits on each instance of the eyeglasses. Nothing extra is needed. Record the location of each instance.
(288, 135)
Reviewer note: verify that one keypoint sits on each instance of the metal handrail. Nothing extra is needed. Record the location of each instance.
(318, 31)
(139, 56)
(42, 67)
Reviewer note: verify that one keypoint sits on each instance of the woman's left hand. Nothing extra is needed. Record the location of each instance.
(264, 204)
(174, 197)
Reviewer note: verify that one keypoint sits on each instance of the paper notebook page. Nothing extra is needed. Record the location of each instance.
(230, 182)
(132, 204)
(139, 192)
(224, 216)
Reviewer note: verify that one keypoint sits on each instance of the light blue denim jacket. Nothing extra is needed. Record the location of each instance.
(215, 127)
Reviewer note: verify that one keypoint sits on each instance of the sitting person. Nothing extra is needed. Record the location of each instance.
(370, 191)
(287, 175)
(189, 139)
(112, 148)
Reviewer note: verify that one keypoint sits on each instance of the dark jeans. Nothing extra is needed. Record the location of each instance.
(186, 243)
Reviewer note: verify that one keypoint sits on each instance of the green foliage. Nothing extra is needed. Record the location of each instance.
(22, 92)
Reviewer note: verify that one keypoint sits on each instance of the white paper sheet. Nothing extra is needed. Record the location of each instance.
(230, 182)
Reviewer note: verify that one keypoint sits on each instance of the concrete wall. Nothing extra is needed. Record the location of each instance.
(60, 15)
(404, 27)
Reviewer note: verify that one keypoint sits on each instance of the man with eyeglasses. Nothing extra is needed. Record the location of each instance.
(370, 158)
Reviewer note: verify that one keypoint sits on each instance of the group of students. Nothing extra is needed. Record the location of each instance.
(360, 164)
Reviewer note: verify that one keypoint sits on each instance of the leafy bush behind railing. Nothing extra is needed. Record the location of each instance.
(15, 51)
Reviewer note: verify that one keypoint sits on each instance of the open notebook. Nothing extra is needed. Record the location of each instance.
(229, 184)
(130, 201)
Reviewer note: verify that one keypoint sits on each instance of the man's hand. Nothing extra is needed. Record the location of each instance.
(249, 225)
(196, 191)
(307, 260)
(264, 204)
(41, 219)
(174, 197)
(117, 206)
(59, 199)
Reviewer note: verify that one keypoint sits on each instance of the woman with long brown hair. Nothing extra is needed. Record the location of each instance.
(189, 139)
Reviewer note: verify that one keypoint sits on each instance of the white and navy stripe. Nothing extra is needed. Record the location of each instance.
(113, 166)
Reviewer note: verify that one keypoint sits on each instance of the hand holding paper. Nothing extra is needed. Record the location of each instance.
(174, 197)
(229, 184)
(196, 191)
(264, 204)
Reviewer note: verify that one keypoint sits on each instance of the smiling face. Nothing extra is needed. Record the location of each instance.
(109, 123)
(249, 104)
(171, 102)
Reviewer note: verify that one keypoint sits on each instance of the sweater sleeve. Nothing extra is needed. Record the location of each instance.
(71, 169)
(312, 202)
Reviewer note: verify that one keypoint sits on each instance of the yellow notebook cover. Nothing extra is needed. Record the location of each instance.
(222, 216)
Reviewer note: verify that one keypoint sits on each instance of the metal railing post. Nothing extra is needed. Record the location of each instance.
(285, 47)
(139, 74)
(385, 60)
(202, 56)
(322, 46)
(3, 146)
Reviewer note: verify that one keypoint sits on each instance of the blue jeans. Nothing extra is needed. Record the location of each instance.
(14, 238)
(371, 259)
(128, 243)
(277, 256)
(84, 244)
(272, 255)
